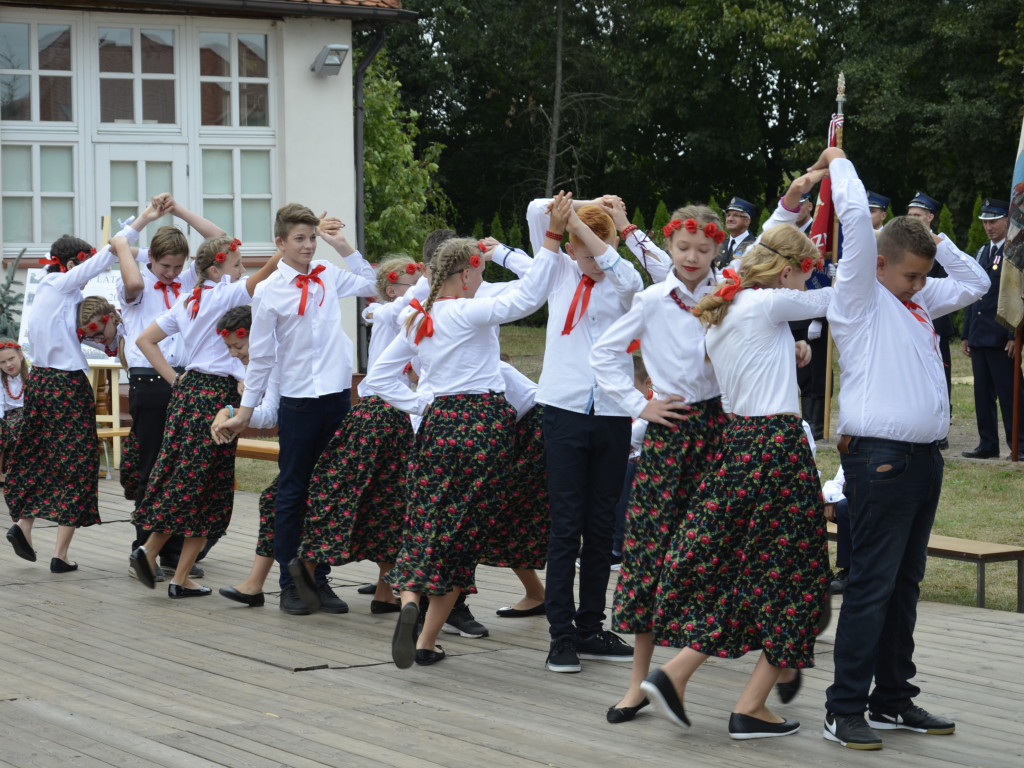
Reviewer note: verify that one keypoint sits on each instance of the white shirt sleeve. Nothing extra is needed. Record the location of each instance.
(612, 345)
(262, 350)
(856, 282)
(652, 258)
(786, 304)
(521, 297)
(965, 283)
(621, 274)
(386, 380)
(512, 259)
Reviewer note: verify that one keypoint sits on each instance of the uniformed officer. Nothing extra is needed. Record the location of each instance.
(738, 216)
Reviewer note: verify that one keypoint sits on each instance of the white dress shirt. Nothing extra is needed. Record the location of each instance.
(140, 313)
(892, 382)
(652, 258)
(7, 403)
(463, 354)
(53, 317)
(753, 350)
(312, 350)
(264, 415)
(205, 350)
(567, 379)
(671, 342)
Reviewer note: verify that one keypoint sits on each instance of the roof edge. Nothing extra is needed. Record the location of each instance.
(237, 8)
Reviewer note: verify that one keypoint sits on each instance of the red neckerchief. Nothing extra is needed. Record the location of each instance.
(921, 315)
(584, 288)
(163, 287)
(303, 282)
(197, 293)
(426, 325)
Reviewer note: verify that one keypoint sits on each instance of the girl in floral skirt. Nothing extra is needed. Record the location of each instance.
(60, 412)
(14, 374)
(685, 423)
(357, 492)
(190, 490)
(747, 568)
(465, 443)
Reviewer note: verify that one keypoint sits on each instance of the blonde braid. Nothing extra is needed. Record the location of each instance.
(452, 256)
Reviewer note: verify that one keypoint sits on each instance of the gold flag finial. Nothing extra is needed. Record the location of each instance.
(841, 89)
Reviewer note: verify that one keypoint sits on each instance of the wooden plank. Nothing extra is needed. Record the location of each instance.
(249, 448)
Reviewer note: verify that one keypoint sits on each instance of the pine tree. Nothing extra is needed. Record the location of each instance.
(976, 236)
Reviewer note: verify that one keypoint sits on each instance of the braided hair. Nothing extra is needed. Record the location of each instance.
(450, 258)
(394, 267)
(68, 251)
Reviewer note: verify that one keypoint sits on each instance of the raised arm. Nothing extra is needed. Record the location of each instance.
(166, 204)
(965, 282)
(385, 378)
(264, 272)
(363, 280)
(654, 260)
(856, 283)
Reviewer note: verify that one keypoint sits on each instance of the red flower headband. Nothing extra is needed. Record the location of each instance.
(806, 265)
(412, 269)
(474, 261)
(92, 327)
(220, 257)
(12, 345)
(233, 246)
(711, 230)
(239, 332)
(392, 277)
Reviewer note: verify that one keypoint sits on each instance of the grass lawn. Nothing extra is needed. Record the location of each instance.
(982, 500)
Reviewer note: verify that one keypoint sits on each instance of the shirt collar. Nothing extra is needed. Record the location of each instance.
(672, 282)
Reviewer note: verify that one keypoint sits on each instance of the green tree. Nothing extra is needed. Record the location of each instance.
(945, 223)
(661, 218)
(976, 236)
(515, 236)
(402, 196)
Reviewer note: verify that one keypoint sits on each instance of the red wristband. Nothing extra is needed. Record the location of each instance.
(554, 236)
(627, 231)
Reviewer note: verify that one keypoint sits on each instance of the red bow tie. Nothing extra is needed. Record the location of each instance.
(163, 287)
(303, 282)
(583, 289)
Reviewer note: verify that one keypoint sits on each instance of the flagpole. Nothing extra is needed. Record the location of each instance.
(840, 101)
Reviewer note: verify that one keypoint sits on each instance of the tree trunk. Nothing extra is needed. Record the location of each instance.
(556, 108)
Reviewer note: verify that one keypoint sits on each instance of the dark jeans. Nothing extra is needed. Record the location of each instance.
(304, 426)
(993, 380)
(586, 461)
(843, 543)
(148, 397)
(620, 507)
(893, 489)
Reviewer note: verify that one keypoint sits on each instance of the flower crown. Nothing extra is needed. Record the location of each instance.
(806, 264)
(239, 332)
(11, 345)
(711, 229)
(474, 261)
(93, 326)
(412, 269)
(221, 257)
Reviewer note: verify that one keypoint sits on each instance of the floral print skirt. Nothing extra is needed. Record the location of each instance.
(673, 462)
(457, 485)
(54, 463)
(191, 488)
(748, 566)
(358, 489)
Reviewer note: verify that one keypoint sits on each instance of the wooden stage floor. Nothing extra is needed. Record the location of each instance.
(99, 671)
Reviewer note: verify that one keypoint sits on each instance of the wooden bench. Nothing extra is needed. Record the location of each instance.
(978, 552)
(248, 448)
(113, 434)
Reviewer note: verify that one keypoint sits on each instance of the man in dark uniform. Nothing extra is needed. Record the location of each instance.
(990, 345)
(879, 207)
(805, 218)
(738, 216)
(926, 209)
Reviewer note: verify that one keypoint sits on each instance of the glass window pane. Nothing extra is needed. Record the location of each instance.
(122, 213)
(54, 47)
(158, 179)
(216, 103)
(252, 104)
(117, 101)
(221, 213)
(56, 169)
(56, 214)
(15, 103)
(255, 168)
(252, 55)
(217, 173)
(14, 47)
(17, 168)
(18, 220)
(158, 101)
(124, 181)
(158, 51)
(256, 219)
(213, 54)
(115, 50)
(55, 99)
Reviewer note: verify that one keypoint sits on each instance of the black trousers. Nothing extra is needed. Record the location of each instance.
(993, 381)
(586, 458)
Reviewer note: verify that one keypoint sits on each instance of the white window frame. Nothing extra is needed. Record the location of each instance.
(137, 76)
(37, 195)
(33, 72)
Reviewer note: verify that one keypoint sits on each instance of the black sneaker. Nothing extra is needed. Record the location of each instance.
(563, 657)
(851, 731)
(615, 563)
(913, 718)
(330, 602)
(604, 645)
(291, 604)
(840, 581)
(461, 622)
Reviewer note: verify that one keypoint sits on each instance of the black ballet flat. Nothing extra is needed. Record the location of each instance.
(253, 601)
(20, 543)
(178, 592)
(384, 606)
(426, 657)
(625, 714)
(60, 566)
(787, 691)
(139, 562)
(508, 612)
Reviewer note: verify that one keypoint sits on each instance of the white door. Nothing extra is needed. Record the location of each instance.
(128, 175)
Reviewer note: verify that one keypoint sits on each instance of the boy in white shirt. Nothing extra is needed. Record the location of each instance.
(296, 327)
(893, 411)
